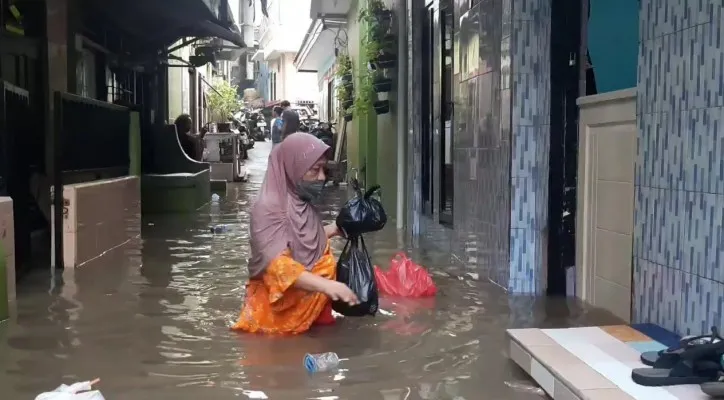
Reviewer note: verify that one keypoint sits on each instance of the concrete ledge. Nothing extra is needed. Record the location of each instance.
(175, 193)
(592, 363)
(7, 257)
(218, 186)
(99, 216)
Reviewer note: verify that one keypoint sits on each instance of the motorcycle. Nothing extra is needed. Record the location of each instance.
(325, 132)
(257, 126)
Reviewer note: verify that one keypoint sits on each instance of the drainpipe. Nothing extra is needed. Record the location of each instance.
(401, 110)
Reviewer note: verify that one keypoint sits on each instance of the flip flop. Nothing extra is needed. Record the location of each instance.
(714, 389)
(667, 358)
(683, 373)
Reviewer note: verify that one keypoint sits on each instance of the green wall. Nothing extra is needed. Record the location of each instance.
(372, 141)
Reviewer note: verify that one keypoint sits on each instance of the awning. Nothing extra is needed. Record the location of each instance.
(157, 23)
(319, 44)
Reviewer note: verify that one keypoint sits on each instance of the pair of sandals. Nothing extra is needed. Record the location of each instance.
(697, 360)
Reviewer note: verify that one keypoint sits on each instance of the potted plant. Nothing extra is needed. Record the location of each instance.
(379, 54)
(365, 95)
(222, 101)
(381, 107)
(348, 116)
(345, 88)
(375, 11)
(381, 84)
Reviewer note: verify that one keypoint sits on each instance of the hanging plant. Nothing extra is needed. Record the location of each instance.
(382, 84)
(382, 107)
(345, 85)
(377, 48)
(375, 10)
(365, 96)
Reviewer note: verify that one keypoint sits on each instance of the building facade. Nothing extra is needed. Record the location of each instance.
(280, 35)
(548, 153)
(479, 142)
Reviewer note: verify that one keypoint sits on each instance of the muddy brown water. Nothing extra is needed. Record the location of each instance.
(151, 320)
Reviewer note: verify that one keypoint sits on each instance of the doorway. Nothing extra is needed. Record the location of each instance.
(428, 105)
(563, 165)
(437, 111)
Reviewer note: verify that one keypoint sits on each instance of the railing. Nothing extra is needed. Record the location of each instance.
(14, 106)
(90, 135)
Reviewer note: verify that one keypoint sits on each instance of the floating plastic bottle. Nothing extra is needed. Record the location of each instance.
(321, 362)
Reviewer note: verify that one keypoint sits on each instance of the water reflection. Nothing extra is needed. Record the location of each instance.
(151, 319)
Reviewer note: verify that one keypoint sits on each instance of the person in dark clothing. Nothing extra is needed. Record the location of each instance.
(184, 125)
(290, 120)
(276, 126)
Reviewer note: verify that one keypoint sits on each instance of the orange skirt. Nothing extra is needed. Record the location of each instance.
(274, 306)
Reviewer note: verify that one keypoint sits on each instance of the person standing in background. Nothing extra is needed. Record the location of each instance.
(290, 120)
(276, 126)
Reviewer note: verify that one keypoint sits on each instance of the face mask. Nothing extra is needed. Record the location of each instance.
(310, 191)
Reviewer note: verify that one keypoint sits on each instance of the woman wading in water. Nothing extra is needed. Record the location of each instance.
(292, 269)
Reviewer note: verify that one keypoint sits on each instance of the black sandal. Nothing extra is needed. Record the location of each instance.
(667, 359)
(685, 372)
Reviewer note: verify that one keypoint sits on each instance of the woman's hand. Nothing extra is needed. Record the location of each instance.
(338, 291)
(333, 230)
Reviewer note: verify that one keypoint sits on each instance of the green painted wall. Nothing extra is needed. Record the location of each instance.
(386, 143)
(353, 128)
(371, 140)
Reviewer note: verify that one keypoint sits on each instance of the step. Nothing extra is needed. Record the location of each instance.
(590, 363)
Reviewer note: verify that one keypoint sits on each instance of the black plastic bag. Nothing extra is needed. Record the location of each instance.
(354, 269)
(363, 213)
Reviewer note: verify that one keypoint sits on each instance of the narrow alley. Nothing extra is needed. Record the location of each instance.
(151, 320)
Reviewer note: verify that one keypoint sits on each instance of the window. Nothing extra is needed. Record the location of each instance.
(86, 75)
(273, 85)
(331, 101)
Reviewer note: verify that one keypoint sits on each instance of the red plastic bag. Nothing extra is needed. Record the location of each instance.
(325, 317)
(404, 279)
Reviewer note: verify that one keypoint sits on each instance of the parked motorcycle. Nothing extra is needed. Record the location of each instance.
(257, 126)
(240, 121)
(325, 132)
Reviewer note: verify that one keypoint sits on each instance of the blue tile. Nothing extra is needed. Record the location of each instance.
(651, 345)
(659, 334)
(679, 172)
(701, 305)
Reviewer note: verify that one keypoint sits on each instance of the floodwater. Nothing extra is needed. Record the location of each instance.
(151, 320)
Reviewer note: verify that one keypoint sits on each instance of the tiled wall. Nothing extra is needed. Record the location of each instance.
(679, 195)
(7, 241)
(101, 215)
(530, 54)
(501, 95)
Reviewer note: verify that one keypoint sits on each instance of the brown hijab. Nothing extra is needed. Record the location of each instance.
(280, 219)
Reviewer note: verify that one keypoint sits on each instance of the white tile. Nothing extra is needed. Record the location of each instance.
(543, 377)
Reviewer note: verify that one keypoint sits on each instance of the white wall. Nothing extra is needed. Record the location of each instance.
(288, 20)
(298, 85)
(179, 90)
(291, 84)
(178, 85)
